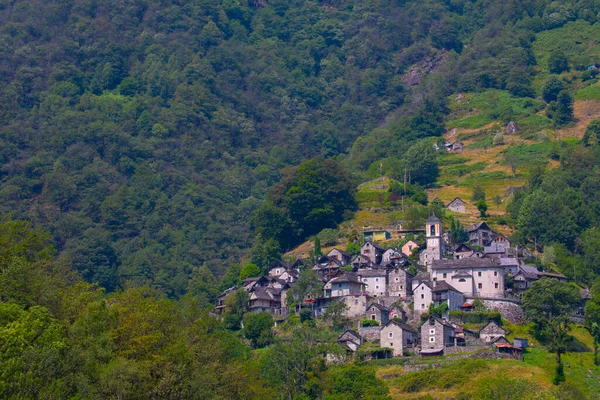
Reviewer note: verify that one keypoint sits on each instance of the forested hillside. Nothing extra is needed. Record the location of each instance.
(144, 135)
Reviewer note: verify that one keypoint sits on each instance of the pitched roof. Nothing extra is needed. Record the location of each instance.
(456, 199)
(528, 272)
(479, 225)
(371, 272)
(352, 332)
(340, 251)
(508, 261)
(465, 263)
(433, 218)
(464, 247)
(381, 307)
(551, 275)
(347, 277)
(401, 325)
(439, 320)
(442, 286)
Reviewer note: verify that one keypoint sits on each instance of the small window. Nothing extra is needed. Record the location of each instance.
(376, 279)
(356, 301)
(373, 317)
(377, 287)
(479, 273)
(277, 272)
(480, 285)
(401, 287)
(432, 331)
(496, 285)
(397, 279)
(391, 335)
(432, 339)
(495, 273)
(364, 279)
(422, 305)
(422, 296)
(462, 280)
(391, 344)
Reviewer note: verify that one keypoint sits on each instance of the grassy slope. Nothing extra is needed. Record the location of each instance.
(537, 367)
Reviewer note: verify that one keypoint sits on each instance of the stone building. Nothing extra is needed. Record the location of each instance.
(375, 281)
(372, 251)
(436, 335)
(399, 281)
(491, 332)
(377, 312)
(457, 205)
(340, 256)
(397, 336)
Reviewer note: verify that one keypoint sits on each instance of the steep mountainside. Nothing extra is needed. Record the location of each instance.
(143, 135)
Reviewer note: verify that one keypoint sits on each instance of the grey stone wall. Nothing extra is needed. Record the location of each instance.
(465, 349)
(369, 333)
(509, 309)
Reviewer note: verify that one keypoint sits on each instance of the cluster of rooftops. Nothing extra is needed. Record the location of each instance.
(385, 285)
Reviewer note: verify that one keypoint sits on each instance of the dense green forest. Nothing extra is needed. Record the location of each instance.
(144, 135)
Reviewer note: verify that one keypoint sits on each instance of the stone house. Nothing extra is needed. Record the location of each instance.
(409, 247)
(397, 336)
(399, 281)
(524, 277)
(457, 205)
(278, 267)
(457, 146)
(378, 312)
(343, 257)
(350, 339)
(398, 312)
(463, 250)
(390, 255)
(344, 284)
(500, 240)
(327, 268)
(375, 281)
(480, 234)
(372, 251)
(479, 277)
(264, 299)
(355, 304)
(436, 292)
(436, 335)
(442, 292)
(220, 308)
(491, 332)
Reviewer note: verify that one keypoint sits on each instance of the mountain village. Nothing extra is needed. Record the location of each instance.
(406, 308)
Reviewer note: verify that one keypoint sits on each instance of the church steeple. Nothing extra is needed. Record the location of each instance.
(435, 244)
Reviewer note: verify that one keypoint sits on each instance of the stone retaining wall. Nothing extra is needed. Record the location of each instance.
(509, 309)
(369, 333)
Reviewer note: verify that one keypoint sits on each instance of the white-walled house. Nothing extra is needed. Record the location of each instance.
(375, 280)
(347, 283)
(422, 297)
(479, 277)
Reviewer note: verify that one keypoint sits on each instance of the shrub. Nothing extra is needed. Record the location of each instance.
(369, 322)
(476, 317)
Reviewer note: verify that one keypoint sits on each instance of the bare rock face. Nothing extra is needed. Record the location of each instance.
(511, 128)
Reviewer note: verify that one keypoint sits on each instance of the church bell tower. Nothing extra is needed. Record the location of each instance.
(435, 244)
